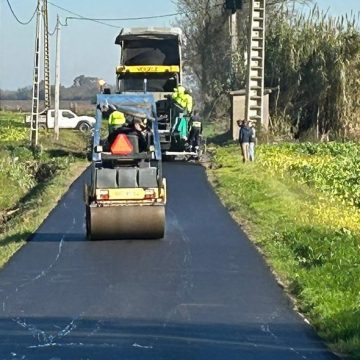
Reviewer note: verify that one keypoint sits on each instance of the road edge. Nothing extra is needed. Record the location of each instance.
(35, 211)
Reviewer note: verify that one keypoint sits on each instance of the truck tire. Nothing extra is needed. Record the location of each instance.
(84, 127)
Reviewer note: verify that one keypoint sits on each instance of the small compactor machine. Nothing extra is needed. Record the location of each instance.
(126, 196)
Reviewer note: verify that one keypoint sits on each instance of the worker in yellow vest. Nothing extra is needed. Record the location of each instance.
(116, 119)
(189, 101)
(179, 97)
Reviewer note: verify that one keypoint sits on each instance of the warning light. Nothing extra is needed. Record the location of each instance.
(122, 145)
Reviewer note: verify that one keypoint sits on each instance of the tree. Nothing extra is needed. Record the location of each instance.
(315, 61)
(206, 48)
(207, 55)
(85, 81)
(83, 88)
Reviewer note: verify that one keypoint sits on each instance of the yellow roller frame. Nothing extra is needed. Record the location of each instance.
(130, 193)
(138, 69)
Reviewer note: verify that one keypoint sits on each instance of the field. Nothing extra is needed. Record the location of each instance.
(301, 204)
(79, 106)
(32, 181)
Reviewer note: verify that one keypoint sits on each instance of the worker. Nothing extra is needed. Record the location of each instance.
(189, 101)
(179, 97)
(142, 130)
(181, 127)
(195, 131)
(116, 119)
(136, 126)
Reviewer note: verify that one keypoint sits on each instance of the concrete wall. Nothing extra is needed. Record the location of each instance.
(237, 113)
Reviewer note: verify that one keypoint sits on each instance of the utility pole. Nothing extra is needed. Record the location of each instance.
(46, 57)
(256, 62)
(57, 78)
(35, 91)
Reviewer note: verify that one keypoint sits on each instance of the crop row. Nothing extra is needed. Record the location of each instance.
(12, 128)
(332, 168)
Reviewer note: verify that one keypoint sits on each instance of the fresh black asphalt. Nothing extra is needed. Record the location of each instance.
(201, 293)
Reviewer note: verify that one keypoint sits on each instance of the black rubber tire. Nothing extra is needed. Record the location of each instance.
(84, 127)
(88, 223)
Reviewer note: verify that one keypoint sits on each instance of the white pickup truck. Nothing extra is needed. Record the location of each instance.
(67, 120)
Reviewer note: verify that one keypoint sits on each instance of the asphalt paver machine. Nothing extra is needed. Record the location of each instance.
(151, 62)
(126, 196)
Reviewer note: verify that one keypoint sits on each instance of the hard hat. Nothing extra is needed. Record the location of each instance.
(118, 118)
(181, 89)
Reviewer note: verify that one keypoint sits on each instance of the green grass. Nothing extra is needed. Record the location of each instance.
(33, 181)
(312, 244)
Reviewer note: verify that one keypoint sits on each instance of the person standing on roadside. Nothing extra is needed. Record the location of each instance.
(252, 141)
(245, 135)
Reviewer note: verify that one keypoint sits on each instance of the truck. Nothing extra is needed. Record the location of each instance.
(67, 120)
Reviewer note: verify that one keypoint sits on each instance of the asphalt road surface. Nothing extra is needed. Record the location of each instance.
(203, 292)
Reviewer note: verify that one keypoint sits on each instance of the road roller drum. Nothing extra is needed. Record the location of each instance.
(126, 222)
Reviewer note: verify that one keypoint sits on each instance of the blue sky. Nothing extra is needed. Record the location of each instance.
(87, 48)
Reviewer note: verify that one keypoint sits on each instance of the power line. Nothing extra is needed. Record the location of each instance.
(132, 18)
(17, 19)
(81, 17)
(53, 32)
(56, 25)
(101, 20)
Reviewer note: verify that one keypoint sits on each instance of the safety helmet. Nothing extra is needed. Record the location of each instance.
(181, 89)
(117, 118)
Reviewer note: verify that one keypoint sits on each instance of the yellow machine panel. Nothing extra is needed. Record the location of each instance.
(129, 194)
(147, 69)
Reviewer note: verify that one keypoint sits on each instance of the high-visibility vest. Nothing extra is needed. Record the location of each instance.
(179, 96)
(189, 102)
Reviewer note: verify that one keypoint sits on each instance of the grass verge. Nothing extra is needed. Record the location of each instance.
(34, 210)
(312, 244)
(33, 181)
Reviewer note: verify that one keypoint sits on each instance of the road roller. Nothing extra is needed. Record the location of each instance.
(126, 196)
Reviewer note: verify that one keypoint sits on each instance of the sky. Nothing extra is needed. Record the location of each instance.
(87, 48)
